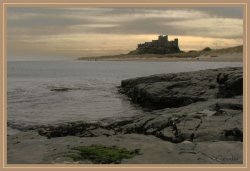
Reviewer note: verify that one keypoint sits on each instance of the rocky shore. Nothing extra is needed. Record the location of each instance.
(195, 117)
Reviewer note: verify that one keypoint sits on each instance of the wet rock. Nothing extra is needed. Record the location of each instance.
(219, 128)
(167, 134)
(163, 94)
(207, 112)
(230, 83)
(188, 127)
(229, 105)
(79, 128)
(177, 90)
(60, 89)
(138, 126)
(233, 134)
(204, 125)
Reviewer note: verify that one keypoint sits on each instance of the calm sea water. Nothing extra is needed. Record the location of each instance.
(94, 95)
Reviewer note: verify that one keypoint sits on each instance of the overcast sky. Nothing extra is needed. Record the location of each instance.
(75, 32)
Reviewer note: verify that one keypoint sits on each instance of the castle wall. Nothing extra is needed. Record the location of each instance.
(160, 46)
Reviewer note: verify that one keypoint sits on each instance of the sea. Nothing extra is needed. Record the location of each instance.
(93, 91)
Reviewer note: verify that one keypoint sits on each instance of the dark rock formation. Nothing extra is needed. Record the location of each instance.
(62, 89)
(176, 90)
(79, 128)
(230, 83)
(200, 126)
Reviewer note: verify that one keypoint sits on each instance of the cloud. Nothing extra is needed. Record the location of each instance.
(49, 21)
(72, 31)
(212, 27)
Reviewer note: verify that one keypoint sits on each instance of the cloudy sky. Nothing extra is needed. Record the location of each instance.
(74, 32)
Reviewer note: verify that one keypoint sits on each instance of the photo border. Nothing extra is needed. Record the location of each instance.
(115, 3)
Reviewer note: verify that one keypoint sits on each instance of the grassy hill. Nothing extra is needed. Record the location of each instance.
(190, 54)
(211, 52)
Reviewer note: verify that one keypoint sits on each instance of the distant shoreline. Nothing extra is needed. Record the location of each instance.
(237, 57)
(170, 59)
(232, 54)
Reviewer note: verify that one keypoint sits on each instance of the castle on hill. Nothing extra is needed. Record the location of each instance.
(160, 46)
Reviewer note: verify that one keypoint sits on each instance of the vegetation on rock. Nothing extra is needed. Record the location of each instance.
(100, 154)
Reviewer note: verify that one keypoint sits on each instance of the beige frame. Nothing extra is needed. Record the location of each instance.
(4, 4)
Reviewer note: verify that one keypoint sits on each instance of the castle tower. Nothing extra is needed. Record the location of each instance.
(166, 37)
(176, 42)
(163, 39)
(160, 37)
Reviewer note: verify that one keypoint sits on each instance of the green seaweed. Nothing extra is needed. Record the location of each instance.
(100, 154)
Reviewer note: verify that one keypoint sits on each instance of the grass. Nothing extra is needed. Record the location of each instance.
(207, 52)
(191, 54)
(100, 154)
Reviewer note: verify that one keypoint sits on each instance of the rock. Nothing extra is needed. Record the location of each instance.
(214, 120)
(138, 126)
(176, 90)
(219, 128)
(165, 94)
(230, 83)
(207, 112)
(187, 128)
(78, 128)
(165, 91)
(234, 134)
(60, 89)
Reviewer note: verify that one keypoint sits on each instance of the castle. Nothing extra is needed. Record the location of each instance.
(160, 46)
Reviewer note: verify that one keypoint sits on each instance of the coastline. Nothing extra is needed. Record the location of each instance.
(200, 116)
(234, 57)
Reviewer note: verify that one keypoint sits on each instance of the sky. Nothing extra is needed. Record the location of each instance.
(53, 33)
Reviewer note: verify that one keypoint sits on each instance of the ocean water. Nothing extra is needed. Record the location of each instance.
(94, 84)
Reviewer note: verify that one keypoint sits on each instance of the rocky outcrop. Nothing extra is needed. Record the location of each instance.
(195, 113)
(176, 90)
(217, 122)
(230, 83)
